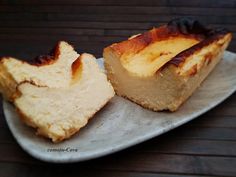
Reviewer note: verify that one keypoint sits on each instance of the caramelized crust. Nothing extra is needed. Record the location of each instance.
(139, 42)
(52, 70)
(161, 68)
(42, 60)
(48, 59)
(144, 54)
(76, 68)
(210, 37)
(76, 65)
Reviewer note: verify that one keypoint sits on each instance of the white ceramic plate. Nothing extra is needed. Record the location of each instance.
(121, 123)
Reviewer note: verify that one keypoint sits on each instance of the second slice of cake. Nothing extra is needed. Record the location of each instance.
(58, 113)
(58, 93)
(161, 68)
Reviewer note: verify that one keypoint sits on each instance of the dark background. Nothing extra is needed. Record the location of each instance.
(203, 147)
(29, 28)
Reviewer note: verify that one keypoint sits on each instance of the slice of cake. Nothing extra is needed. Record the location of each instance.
(52, 70)
(161, 68)
(58, 113)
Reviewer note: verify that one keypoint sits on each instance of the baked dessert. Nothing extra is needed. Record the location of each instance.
(161, 68)
(53, 70)
(59, 93)
(58, 113)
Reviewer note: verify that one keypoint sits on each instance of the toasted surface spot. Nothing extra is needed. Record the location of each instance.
(153, 57)
(53, 71)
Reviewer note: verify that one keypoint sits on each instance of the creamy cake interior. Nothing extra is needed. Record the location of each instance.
(162, 67)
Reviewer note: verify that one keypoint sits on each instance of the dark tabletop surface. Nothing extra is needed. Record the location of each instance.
(205, 146)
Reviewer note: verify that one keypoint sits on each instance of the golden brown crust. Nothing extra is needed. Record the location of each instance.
(184, 28)
(138, 43)
(169, 87)
(215, 35)
(48, 59)
(77, 64)
(42, 60)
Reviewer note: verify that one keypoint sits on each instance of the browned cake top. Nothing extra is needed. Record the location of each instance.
(169, 44)
(136, 44)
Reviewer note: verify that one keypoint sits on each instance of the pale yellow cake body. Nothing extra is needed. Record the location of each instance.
(59, 113)
(59, 95)
(143, 75)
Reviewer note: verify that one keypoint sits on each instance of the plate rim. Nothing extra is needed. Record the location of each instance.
(111, 150)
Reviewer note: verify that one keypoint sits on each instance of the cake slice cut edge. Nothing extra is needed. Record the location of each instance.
(160, 69)
(58, 113)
